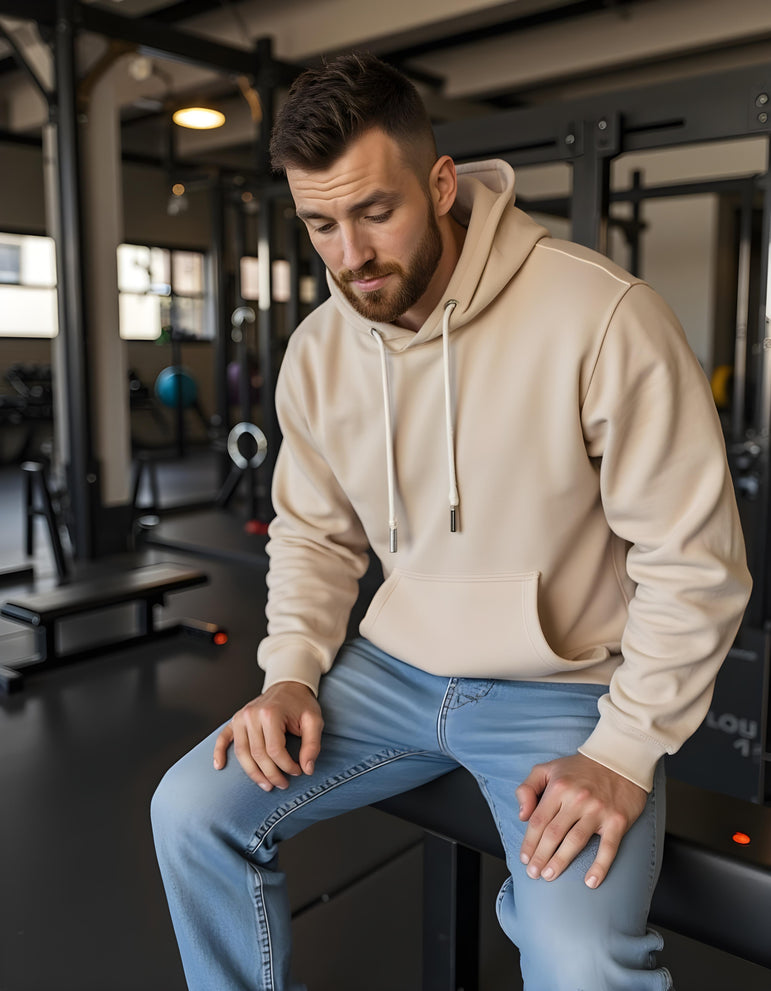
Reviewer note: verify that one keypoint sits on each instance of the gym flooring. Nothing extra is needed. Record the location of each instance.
(83, 747)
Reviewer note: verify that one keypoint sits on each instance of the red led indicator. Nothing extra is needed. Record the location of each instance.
(741, 838)
(222, 638)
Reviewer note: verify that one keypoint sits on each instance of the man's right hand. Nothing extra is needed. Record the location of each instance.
(258, 734)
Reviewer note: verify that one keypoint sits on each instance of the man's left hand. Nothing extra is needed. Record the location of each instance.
(567, 801)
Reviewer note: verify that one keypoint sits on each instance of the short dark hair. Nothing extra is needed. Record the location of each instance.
(331, 106)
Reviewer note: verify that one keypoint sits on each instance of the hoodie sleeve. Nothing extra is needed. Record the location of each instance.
(666, 489)
(317, 549)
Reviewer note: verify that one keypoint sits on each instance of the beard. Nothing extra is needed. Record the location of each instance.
(389, 303)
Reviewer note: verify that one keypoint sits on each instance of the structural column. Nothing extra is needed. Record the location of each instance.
(102, 195)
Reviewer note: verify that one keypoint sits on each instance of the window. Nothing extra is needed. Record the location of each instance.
(27, 286)
(161, 289)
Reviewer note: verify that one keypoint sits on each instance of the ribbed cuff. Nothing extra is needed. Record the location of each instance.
(291, 664)
(620, 750)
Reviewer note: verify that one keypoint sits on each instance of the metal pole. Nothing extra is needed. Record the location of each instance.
(82, 475)
(635, 255)
(591, 182)
(451, 875)
(266, 83)
(265, 333)
(218, 307)
(738, 411)
(292, 238)
(758, 609)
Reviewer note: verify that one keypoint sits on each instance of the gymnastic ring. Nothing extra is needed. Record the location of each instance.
(234, 451)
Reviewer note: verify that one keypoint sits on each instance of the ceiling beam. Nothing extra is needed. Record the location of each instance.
(151, 36)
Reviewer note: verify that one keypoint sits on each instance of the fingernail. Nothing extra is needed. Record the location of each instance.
(532, 871)
(521, 811)
(265, 787)
(217, 765)
(524, 858)
(309, 767)
(547, 873)
(592, 882)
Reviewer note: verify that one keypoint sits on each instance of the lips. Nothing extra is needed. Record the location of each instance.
(370, 285)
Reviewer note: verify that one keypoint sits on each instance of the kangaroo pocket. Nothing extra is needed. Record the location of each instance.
(480, 627)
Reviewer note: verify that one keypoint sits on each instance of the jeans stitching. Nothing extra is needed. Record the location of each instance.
(263, 923)
(317, 791)
(266, 945)
(442, 715)
(468, 694)
(482, 782)
(501, 895)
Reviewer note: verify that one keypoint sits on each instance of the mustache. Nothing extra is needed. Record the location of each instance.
(368, 271)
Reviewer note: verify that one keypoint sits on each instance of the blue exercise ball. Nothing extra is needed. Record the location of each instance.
(174, 386)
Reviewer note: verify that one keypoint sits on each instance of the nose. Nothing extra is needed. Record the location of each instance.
(356, 249)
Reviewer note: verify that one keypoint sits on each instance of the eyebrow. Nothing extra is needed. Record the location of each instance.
(379, 198)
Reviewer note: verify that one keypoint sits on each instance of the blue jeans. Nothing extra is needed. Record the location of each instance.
(390, 727)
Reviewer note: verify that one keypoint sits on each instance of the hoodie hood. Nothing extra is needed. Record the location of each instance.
(499, 237)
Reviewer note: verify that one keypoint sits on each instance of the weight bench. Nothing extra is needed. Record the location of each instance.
(146, 587)
(710, 889)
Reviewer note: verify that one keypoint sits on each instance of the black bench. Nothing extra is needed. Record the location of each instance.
(711, 889)
(146, 587)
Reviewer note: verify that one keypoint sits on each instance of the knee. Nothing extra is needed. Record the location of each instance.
(168, 806)
(181, 800)
(562, 948)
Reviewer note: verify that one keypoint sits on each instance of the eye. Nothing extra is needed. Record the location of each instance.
(324, 229)
(380, 218)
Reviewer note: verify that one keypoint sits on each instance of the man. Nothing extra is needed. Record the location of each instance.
(519, 431)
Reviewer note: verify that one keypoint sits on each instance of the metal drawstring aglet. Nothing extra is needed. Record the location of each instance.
(453, 520)
(392, 540)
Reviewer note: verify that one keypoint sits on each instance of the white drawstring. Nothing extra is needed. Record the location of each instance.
(392, 522)
(449, 306)
(448, 417)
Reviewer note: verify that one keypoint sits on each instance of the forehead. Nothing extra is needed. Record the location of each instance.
(372, 163)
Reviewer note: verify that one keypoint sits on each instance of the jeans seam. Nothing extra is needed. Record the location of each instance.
(482, 782)
(280, 814)
(264, 925)
(442, 716)
(318, 791)
(501, 895)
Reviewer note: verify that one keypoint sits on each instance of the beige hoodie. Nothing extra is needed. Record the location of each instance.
(597, 534)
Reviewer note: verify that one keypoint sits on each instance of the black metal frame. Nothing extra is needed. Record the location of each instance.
(66, 19)
(588, 134)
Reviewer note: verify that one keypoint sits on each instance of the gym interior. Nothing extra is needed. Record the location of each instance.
(150, 276)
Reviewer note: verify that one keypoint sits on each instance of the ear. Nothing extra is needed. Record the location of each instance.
(443, 185)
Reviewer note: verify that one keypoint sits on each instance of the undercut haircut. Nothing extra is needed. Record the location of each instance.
(330, 107)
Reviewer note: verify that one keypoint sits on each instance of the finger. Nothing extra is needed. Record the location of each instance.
(539, 820)
(221, 745)
(575, 840)
(250, 751)
(274, 735)
(531, 789)
(550, 840)
(610, 840)
(528, 799)
(311, 725)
